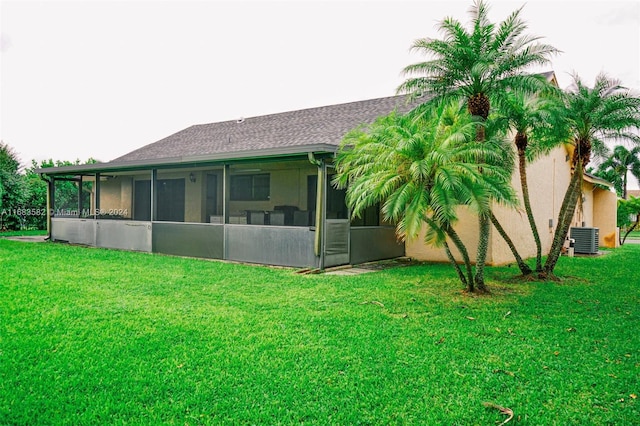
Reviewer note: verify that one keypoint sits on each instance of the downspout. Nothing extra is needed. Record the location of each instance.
(320, 206)
(80, 206)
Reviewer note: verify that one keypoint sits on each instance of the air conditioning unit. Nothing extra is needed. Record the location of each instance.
(586, 240)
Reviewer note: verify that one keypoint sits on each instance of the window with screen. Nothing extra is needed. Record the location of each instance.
(250, 187)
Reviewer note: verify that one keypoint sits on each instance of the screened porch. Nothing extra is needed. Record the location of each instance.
(281, 212)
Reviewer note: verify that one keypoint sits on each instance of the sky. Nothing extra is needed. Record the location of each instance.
(97, 79)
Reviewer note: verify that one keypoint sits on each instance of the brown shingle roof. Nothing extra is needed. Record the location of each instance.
(314, 126)
(288, 133)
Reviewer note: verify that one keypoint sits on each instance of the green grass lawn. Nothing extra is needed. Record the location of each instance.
(93, 336)
(634, 235)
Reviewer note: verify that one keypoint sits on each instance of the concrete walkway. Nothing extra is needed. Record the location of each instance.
(365, 268)
(28, 238)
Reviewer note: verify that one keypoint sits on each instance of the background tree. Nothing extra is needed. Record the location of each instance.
(12, 185)
(628, 217)
(616, 168)
(422, 167)
(607, 111)
(610, 176)
(23, 203)
(477, 65)
(36, 195)
(66, 192)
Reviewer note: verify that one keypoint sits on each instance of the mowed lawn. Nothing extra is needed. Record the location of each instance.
(92, 336)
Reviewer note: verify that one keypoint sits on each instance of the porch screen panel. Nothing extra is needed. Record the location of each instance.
(66, 198)
(171, 197)
(142, 200)
(211, 207)
(369, 217)
(336, 199)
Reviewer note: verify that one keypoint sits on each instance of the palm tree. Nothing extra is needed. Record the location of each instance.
(610, 176)
(478, 65)
(622, 162)
(628, 217)
(607, 111)
(421, 167)
(537, 122)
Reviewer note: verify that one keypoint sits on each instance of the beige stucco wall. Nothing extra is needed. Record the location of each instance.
(598, 210)
(548, 178)
(116, 194)
(605, 217)
(467, 229)
(584, 211)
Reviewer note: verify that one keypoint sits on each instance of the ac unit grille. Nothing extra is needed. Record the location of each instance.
(586, 240)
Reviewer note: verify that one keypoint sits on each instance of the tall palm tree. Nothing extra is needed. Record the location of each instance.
(622, 162)
(537, 122)
(421, 167)
(607, 111)
(479, 65)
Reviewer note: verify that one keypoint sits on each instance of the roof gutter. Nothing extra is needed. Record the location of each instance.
(115, 166)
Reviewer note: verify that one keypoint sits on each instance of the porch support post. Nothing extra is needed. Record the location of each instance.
(154, 194)
(80, 197)
(51, 196)
(318, 246)
(226, 183)
(226, 197)
(96, 201)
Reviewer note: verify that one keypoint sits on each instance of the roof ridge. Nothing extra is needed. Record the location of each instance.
(291, 111)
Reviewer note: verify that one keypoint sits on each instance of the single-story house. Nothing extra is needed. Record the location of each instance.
(259, 190)
(251, 190)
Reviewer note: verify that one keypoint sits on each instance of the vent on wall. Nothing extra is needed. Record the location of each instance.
(586, 240)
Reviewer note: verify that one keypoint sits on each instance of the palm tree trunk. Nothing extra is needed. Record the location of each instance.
(455, 238)
(481, 255)
(524, 268)
(479, 105)
(631, 228)
(452, 260)
(565, 217)
(527, 207)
